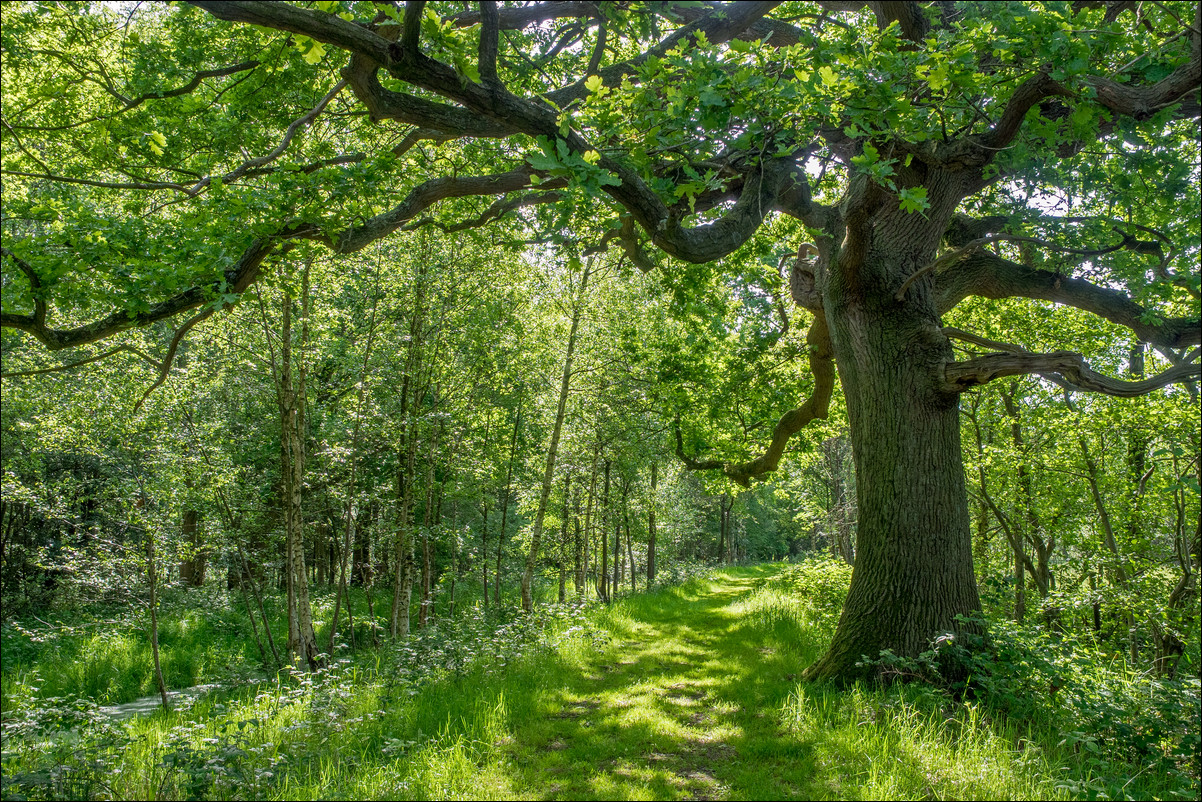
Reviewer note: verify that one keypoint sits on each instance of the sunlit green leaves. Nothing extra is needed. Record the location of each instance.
(156, 142)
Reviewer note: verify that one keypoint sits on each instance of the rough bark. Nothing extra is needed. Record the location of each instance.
(302, 642)
(913, 574)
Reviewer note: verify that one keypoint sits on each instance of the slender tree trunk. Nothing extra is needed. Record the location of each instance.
(629, 545)
(617, 580)
(152, 576)
(563, 539)
(1137, 450)
(254, 588)
(402, 588)
(651, 529)
(484, 547)
(549, 473)
(1042, 542)
(723, 525)
(603, 589)
(513, 447)
(427, 552)
(1120, 571)
(1182, 604)
(588, 523)
(577, 547)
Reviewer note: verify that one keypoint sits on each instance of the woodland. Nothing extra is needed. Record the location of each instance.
(600, 399)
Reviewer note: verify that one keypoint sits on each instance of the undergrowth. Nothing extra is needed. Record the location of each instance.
(690, 689)
(1129, 733)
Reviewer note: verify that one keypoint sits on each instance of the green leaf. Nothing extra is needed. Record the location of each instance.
(156, 141)
(540, 161)
(316, 53)
(914, 200)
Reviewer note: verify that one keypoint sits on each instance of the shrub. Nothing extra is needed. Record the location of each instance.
(819, 584)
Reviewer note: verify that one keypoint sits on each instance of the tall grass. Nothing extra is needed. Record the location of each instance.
(690, 690)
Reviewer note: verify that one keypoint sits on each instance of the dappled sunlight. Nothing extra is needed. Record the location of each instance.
(702, 701)
(690, 692)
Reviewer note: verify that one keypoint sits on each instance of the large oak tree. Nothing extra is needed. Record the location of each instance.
(926, 153)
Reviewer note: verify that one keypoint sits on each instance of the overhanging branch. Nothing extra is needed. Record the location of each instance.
(822, 365)
(245, 270)
(987, 275)
(1064, 367)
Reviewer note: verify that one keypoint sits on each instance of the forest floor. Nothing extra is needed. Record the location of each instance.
(698, 696)
(690, 691)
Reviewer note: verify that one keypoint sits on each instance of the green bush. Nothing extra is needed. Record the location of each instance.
(819, 584)
(1107, 712)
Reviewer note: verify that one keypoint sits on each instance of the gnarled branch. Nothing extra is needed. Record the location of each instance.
(245, 270)
(971, 247)
(490, 102)
(1061, 366)
(990, 276)
(822, 365)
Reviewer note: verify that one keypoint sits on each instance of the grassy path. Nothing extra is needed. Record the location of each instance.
(681, 705)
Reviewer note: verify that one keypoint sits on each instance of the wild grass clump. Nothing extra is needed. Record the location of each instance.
(815, 587)
(1130, 733)
(102, 654)
(1107, 711)
(911, 742)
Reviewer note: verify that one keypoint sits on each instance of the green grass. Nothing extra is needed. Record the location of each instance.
(691, 691)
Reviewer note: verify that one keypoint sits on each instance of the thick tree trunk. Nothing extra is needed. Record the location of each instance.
(913, 573)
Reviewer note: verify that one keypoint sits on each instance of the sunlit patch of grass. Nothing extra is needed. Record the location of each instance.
(905, 742)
